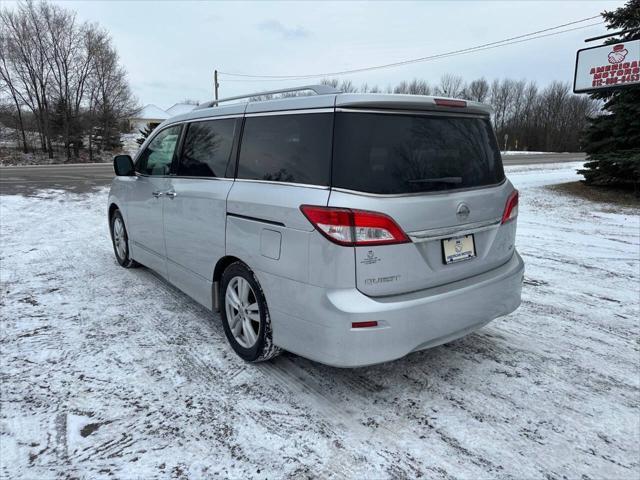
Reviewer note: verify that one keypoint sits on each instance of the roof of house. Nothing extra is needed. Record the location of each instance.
(151, 112)
(180, 108)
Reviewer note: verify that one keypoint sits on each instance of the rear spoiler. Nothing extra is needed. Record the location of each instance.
(410, 102)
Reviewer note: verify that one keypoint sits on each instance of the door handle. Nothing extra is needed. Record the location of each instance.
(171, 194)
(157, 194)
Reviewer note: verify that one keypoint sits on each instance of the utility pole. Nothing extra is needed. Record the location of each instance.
(215, 85)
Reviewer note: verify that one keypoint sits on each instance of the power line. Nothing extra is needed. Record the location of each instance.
(434, 57)
(487, 46)
(421, 59)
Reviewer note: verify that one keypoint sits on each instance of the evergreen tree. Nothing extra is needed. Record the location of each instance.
(145, 133)
(612, 140)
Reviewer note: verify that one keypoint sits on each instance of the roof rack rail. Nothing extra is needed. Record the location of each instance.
(317, 89)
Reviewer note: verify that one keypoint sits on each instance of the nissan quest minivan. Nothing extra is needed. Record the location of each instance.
(350, 229)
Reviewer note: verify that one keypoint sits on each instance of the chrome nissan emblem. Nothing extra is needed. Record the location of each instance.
(463, 212)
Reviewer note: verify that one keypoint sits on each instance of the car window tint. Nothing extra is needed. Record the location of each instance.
(396, 154)
(207, 147)
(157, 157)
(292, 148)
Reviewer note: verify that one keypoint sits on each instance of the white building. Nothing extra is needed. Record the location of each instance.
(180, 108)
(152, 115)
(149, 115)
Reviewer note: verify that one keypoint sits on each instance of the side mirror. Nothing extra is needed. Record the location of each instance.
(123, 165)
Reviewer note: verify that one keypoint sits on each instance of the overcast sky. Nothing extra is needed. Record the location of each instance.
(170, 49)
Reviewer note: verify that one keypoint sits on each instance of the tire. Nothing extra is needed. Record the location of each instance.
(246, 321)
(120, 241)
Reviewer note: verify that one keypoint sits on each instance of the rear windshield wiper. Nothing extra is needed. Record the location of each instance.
(452, 180)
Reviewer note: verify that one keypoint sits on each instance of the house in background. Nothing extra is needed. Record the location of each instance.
(148, 115)
(180, 108)
(152, 115)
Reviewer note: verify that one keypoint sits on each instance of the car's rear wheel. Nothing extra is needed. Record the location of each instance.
(120, 241)
(245, 315)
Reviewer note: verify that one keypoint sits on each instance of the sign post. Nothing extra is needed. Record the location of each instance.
(607, 67)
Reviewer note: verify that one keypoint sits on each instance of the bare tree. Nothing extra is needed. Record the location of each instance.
(64, 72)
(402, 87)
(6, 82)
(415, 87)
(111, 100)
(451, 86)
(347, 86)
(477, 90)
(500, 97)
(331, 82)
(69, 49)
(31, 72)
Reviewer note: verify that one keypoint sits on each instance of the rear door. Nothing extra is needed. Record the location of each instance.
(195, 206)
(440, 177)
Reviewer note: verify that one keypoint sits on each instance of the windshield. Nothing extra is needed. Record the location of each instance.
(395, 154)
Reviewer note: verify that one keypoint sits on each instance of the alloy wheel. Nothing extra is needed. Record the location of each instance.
(119, 238)
(243, 312)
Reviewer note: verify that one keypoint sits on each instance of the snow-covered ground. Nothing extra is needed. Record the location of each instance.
(525, 152)
(107, 372)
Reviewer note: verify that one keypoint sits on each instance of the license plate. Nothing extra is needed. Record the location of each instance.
(458, 249)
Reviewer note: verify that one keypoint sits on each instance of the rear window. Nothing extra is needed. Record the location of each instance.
(292, 148)
(396, 154)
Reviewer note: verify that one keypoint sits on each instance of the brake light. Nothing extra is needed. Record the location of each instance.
(511, 207)
(353, 228)
(369, 324)
(447, 102)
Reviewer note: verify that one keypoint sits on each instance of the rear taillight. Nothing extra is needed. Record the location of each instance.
(447, 102)
(511, 207)
(354, 228)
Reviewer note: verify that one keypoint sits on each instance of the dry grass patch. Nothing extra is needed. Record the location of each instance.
(614, 196)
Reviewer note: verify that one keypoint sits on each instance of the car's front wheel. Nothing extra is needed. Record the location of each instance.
(120, 240)
(245, 315)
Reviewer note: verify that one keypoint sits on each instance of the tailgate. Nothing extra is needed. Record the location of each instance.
(428, 220)
(440, 177)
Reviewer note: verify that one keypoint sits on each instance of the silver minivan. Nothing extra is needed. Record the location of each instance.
(350, 229)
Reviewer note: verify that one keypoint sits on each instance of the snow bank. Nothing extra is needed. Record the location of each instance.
(129, 144)
(112, 372)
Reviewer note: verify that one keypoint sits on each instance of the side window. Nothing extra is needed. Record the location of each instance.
(207, 147)
(157, 157)
(292, 148)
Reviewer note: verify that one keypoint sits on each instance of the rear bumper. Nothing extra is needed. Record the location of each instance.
(318, 326)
